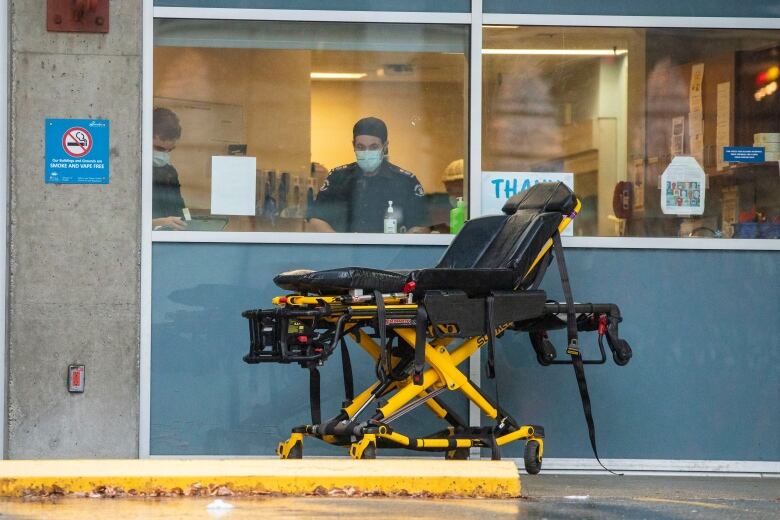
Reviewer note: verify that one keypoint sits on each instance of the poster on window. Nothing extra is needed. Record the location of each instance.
(498, 187)
(683, 187)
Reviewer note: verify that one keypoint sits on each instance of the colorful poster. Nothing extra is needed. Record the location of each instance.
(683, 187)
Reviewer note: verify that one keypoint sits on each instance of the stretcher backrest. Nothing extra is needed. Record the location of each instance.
(545, 196)
(515, 239)
(472, 242)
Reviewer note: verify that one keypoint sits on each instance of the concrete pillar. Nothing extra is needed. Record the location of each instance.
(74, 250)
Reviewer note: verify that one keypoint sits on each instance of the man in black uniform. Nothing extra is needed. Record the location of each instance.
(167, 202)
(355, 197)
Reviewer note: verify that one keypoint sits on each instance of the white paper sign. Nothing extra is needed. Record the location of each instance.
(723, 123)
(498, 187)
(683, 187)
(233, 185)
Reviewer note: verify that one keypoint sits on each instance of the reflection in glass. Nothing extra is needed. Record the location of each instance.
(614, 106)
(289, 94)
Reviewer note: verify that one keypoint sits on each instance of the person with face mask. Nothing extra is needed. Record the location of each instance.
(355, 197)
(167, 202)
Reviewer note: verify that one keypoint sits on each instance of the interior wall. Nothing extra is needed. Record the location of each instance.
(272, 87)
(424, 120)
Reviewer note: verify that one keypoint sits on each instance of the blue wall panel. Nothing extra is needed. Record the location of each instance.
(703, 383)
(205, 399)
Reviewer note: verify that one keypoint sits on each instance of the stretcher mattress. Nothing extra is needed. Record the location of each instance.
(340, 281)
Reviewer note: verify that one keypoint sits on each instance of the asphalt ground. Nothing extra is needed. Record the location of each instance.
(544, 497)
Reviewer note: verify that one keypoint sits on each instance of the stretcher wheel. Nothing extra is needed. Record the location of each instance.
(296, 452)
(533, 462)
(622, 355)
(457, 454)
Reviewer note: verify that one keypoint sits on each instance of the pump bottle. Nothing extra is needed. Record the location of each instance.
(391, 222)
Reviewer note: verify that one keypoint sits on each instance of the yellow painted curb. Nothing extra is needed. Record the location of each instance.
(494, 479)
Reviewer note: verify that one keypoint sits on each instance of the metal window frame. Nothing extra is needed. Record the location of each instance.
(475, 20)
(4, 175)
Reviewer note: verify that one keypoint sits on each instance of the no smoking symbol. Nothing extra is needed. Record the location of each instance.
(77, 141)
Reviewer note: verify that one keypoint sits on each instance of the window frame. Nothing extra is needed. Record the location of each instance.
(475, 20)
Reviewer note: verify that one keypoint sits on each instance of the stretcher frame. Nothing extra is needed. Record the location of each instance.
(401, 390)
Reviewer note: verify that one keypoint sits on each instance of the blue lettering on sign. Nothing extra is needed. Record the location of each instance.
(510, 186)
(743, 154)
(77, 151)
(497, 186)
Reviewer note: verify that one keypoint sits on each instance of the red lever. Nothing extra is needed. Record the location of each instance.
(302, 339)
(409, 287)
(602, 324)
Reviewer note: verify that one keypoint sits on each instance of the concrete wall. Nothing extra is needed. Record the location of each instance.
(74, 250)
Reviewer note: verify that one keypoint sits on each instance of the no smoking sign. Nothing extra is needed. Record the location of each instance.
(77, 141)
(77, 151)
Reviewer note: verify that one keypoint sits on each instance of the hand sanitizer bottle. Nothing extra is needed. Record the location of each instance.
(457, 216)
(391, 223)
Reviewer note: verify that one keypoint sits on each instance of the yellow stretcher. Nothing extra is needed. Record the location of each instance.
(419, 326)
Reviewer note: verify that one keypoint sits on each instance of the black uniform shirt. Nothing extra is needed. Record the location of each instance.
(353, 202)
(166, 192)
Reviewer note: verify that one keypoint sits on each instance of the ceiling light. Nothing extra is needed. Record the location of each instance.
(338, 75)
(557, 52)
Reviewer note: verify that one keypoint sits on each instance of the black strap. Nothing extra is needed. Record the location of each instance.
(381, 325)
(490, 325)
(314, 394)
(573, 348)
(420, 337)
(571, 317)
(346, 368)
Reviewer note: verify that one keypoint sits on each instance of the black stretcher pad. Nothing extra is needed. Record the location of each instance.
(491, 253)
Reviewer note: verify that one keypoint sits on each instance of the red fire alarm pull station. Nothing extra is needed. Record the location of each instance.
(77, 16)
(76, 379)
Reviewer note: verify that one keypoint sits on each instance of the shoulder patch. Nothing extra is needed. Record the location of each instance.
(398, 169)
(419, 191)
(325, 185)
(343, 167)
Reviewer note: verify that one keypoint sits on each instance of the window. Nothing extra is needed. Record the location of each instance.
(642, 122)
(254, 125)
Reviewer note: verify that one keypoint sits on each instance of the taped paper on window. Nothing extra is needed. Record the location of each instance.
(683, 187)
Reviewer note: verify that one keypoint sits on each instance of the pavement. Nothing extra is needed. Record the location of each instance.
(544, 497)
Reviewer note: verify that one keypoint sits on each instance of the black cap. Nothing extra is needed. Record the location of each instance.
(370, 126)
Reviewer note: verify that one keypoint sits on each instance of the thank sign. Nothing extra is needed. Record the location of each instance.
(498, 187)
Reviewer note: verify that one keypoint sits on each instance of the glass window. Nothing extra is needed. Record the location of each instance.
(300, 126)
(642, 122)
(694, 8)
(452, 6)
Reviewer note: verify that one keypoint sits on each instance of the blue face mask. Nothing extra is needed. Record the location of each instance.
(369, 160)
(160, 158)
